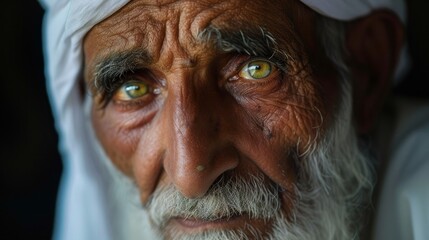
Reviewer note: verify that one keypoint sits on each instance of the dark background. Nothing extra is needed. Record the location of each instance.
(30, 164)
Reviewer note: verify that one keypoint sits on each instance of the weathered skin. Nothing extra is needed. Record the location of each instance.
(207, 120)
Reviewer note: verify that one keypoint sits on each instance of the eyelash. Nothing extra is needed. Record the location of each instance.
(107, 91)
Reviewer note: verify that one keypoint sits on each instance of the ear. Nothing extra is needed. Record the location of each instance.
(373, 44)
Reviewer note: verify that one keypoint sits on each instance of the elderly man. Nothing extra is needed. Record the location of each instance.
(218, 119)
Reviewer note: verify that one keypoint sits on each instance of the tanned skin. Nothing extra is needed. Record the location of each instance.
(199, 116)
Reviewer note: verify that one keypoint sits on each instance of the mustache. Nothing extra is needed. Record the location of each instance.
(228, 197)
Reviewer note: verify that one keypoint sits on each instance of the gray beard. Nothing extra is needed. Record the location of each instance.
(335, 181)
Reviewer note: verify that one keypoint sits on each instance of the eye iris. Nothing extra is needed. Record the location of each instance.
(135, 90)
(259, 69)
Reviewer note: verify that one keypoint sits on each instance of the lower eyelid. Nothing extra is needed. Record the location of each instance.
(134, 104)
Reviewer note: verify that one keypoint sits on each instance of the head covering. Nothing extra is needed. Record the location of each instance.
(351, 9)
(83, 210)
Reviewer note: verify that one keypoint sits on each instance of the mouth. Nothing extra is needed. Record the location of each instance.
(236, 223)
(197, 223)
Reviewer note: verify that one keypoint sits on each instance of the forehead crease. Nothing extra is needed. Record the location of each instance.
(195, 12)
(167, 28)
(213, 14)
(186, 19)
(176, 25)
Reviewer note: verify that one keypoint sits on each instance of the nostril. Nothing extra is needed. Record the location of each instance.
(199, 187)
(222, 179)
(192, 194)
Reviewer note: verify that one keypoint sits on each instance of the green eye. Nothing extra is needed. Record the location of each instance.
(131, 90)
(257, 69)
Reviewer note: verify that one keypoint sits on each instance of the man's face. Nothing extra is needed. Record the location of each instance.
(196, 94)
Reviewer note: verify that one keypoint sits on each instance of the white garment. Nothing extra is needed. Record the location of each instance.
(82, 209)
(403, 208)
(351, 9)
(85, 209)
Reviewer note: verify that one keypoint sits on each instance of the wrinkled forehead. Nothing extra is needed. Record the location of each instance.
(198, 14)
(155, 25)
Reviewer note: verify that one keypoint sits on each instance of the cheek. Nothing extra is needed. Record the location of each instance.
(295, 114)
(278, 123)
(133, 146)
(118, 143)
(288, 112)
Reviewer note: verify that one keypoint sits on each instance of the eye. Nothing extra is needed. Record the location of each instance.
(131, 90)
(256, 69)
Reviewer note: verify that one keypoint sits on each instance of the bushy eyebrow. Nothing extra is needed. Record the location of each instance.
(110, 70)
(256, 42)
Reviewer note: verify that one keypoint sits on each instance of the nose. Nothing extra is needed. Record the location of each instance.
(198, 149)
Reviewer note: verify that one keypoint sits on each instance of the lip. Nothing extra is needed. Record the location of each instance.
(195, 224)
(185, 226)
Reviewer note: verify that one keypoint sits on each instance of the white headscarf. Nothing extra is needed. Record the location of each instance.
(83, 210)
(351, 9)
